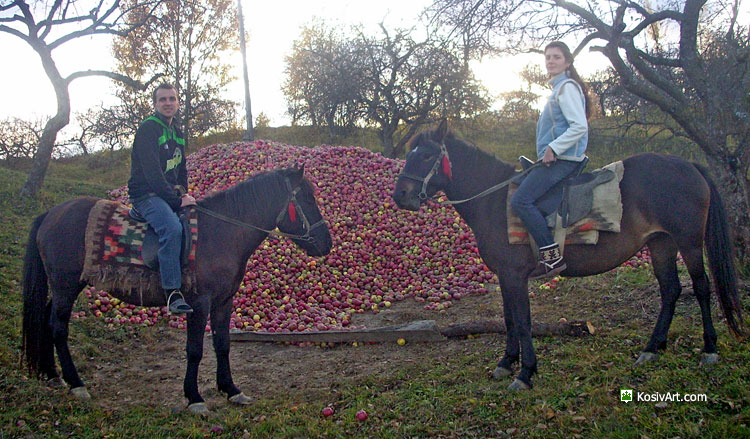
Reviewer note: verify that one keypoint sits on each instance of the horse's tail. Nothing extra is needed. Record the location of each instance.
(34, 300)
(721, 259)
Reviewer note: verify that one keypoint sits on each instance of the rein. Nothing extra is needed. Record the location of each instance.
(292, 200)
(490, 189)
(444, 154)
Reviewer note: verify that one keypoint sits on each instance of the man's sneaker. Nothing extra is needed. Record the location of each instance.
(176, 303)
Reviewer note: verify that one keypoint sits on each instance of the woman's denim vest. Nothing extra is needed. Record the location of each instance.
(552, 124)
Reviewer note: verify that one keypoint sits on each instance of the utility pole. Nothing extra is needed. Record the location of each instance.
(248, 136)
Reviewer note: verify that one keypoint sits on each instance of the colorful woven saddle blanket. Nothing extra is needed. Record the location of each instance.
(113, 256)
(601, 211)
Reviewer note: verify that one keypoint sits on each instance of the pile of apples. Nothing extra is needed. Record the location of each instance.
(380, 255)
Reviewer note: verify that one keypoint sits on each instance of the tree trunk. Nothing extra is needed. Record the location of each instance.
(386, 139)
(732, 183)
(44, 151)
(49, 134)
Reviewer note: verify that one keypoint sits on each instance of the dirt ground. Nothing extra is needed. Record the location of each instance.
(150, 373)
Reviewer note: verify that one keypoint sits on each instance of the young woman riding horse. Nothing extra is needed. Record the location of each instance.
(561, 141)
(668, 204)
(232, 224)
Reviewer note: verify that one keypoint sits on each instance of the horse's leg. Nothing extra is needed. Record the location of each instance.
(512, 347)
(196, 329)
(63, 296)
(664, 259)
(220, 313)
(47, 350)
(693, 258)
(516, 301)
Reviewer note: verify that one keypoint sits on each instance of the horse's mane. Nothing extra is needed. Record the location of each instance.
(467, 153)
(251, 197)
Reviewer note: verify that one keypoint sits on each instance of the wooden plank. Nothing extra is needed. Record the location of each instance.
(417, 331)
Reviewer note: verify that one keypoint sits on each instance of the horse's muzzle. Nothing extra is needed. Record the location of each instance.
(405, 197)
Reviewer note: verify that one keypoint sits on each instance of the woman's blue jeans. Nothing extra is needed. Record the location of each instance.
(169, 230)
(534, 186)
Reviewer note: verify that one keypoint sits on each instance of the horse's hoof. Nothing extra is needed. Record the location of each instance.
(80, 393)
(501, 372)
(199, 408)
(709, 359)
(55, 382)
(240, 399)
(645, 358)
(518, 385)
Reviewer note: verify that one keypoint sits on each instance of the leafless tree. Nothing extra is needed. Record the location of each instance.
(390, 81)
(46, 26)
(19, 138)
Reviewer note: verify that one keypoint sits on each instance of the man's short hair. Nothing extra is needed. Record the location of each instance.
(160, 87)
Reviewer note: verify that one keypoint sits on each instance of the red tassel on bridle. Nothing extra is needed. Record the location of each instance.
(447, 168)
(292, 213)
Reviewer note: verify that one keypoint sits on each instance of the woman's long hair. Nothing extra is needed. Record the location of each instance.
(572, 71)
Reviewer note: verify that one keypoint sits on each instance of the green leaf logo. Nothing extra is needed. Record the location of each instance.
(626, 395)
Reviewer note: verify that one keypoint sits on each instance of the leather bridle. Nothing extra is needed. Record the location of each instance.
(438, 160)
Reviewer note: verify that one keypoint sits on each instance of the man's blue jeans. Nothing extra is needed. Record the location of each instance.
(537, 183)
(169, 230)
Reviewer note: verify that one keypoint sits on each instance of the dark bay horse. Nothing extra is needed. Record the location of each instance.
(55, 258)
(668, 204)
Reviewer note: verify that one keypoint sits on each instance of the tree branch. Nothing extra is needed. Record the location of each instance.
(691, 61)
(659, 60)
(14, 32)
(655, 18)
(100, 26)
(115, 76)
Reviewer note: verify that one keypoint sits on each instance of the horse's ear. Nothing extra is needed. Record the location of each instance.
(442, 130)
(296, 174)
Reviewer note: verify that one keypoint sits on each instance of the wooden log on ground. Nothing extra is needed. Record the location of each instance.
(573, 329)
(416, 331)
(420, 330)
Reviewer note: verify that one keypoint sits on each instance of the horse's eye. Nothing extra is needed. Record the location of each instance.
(428, 157)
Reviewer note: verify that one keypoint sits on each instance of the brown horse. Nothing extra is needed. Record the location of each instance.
(232, 225)
(668, 204)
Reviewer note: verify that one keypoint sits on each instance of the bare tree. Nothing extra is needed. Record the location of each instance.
(45, 26)
(19, 138)
(689, 59)
(107, 127)
(322, 82)
(412, 83)
(391, 82)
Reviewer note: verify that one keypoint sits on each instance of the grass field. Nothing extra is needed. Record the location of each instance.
(430, 391)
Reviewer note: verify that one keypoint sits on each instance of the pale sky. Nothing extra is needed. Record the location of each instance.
(25, 91)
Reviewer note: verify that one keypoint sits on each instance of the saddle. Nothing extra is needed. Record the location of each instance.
(583, 204)
(120, 254)
(150, 246)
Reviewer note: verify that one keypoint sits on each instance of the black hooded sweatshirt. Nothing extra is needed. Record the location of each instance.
(158, 162)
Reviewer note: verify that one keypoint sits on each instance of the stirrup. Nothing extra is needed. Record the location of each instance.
(178, 304)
